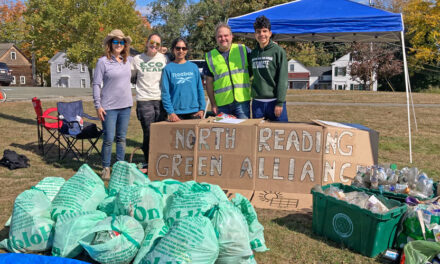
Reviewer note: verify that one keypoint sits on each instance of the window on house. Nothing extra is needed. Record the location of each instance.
(22, 80)
(292, 67)
(13, 80)
(83, 83)
(83, 68)
(13, 55)
(59, 67)
(342, 71)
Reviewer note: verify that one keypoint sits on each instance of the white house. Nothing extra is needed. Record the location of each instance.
(298, 75)
(320, 77)
(71, 76)
(341, 79)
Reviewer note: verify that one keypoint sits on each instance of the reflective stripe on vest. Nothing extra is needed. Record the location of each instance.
(230, 81)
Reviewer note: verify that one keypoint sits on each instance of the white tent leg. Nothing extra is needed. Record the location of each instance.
(412, 104)
(405, 65)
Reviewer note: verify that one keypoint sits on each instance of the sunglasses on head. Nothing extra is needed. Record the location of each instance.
(116, 42)
(181, 48)
(154, 43)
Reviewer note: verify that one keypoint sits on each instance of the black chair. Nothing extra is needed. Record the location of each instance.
(74, 129)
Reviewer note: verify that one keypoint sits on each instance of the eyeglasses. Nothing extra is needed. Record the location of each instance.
(116, 42)
(181, 48)
(154, 43)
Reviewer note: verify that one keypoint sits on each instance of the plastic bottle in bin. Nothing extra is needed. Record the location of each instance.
(374, 179)
(424, 185)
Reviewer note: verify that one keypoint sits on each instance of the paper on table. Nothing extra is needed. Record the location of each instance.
(230, 121)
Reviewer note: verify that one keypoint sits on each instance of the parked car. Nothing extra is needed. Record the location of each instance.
(200, 64)
(5, 75)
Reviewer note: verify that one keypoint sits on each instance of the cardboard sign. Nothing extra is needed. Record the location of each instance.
(274, 164)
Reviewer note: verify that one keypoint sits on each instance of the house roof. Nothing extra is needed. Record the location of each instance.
(320, 70)
(56, 56)
(4, 47)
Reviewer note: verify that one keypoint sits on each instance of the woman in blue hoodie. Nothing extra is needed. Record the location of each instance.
(182, 89)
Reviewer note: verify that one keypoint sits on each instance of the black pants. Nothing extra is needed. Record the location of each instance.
(188, 116)
(149, 112)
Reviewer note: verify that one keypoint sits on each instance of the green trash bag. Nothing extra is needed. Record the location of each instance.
(233, 235)
(189, 200)
(420, 252)
(256, 230)
(31, 227)
(167, 187)
(114, 240)
(125, 174)
(84, 191)
(107, 205)
(216, 190)
(50, 186)
(141, 202)
(155, 230)
(411, 224)
(189, 240)
(70, 228)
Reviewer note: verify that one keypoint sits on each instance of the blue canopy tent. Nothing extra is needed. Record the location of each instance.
(329, 21)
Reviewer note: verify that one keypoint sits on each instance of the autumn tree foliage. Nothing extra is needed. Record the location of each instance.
(12, 25)
(373, 61)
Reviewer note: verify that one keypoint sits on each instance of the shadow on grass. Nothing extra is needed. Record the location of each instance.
(51, 156)
(19, 119)
(302, 223)
(4, 233)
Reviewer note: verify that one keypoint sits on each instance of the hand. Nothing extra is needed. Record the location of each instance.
(200, 114)
(173, 118)
(214, 109)
(278, 110)
(101, 113)
(163, 50)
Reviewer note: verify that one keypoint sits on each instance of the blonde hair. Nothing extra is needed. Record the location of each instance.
(125, 52)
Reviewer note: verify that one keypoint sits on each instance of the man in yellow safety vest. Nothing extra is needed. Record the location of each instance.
(227, 75)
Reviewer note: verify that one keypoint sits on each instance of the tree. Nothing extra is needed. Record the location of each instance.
(78, 27)
(170, 18)
(371, 62)
(13, 28)
(422, 20)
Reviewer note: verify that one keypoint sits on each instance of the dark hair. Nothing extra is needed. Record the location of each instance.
(173, 45)
(261, 22)
(154, 34)
(148, 39)
(109, 49)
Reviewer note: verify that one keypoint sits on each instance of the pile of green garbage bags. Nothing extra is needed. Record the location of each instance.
(134, 220)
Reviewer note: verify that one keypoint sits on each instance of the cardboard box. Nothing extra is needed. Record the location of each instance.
(274, 165)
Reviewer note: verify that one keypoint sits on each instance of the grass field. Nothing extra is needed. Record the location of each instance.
(289, 236)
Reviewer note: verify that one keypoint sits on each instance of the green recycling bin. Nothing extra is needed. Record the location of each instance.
(359, 229)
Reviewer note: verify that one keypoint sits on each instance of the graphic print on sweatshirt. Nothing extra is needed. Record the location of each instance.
(152, 66)
(261, 62)
(182, 77)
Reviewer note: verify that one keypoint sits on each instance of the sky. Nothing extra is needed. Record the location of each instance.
(142, 5)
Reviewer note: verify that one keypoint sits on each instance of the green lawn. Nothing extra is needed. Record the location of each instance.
(289, 236)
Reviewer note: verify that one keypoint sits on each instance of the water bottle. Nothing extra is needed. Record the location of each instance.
(373, 179)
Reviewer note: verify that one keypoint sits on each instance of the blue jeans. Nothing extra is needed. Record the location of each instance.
(116, 122)
(240, 110)
(266, 110)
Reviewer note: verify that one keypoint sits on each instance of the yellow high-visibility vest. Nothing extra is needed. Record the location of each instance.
(230, 83)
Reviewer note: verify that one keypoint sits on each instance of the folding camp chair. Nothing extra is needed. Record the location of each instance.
(74, 129)
(43, 124)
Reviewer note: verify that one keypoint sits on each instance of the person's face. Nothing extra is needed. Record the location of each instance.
(224, 38)
(118, 45)
(180, 50)
(262, 35)
(153, 44)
